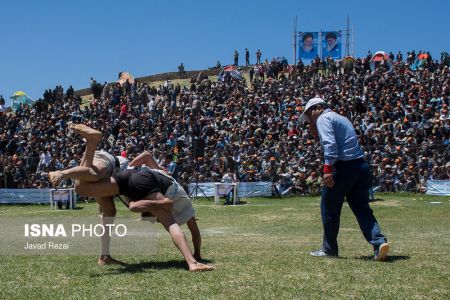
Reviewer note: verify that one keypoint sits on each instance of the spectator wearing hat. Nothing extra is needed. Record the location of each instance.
(387, 179)
(346, 175)
(313, 183)
(171, 166)
(447, 171)
(299, 185)
(229, 177)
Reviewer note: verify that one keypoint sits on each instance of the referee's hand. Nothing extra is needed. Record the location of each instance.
(328, 180)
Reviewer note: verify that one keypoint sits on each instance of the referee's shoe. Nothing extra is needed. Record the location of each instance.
(321, 253)
(381, 253)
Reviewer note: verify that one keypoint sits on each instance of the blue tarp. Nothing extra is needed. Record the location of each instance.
(229, 71)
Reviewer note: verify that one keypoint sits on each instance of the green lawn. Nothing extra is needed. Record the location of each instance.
(260, 250)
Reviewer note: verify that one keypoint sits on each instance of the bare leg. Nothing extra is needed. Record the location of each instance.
(88, 156)
(196, 237)
(92, 137)
(91, 171)
(103, 192)
(96, 172)
(108, 209)
(106, 188)
(145, 158)
(177, 235)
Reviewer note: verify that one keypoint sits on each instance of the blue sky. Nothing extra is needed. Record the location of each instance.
(47, 43)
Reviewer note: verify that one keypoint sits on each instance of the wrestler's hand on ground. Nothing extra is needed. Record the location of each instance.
(328, 180)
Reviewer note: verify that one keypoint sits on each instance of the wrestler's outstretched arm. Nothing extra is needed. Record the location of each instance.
(148, 205)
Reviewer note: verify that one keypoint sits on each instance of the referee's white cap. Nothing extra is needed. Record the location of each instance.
(312, 102)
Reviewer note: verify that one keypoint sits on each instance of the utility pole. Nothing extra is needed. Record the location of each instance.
(353, 41)
(294, 41)
(347, 37)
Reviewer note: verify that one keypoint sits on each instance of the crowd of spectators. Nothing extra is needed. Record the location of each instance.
(250, 128)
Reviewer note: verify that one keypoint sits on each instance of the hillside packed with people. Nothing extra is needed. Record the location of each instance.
(250, 127)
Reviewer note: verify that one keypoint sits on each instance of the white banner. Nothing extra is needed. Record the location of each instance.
(244, 189)
(438, 187)
(58, 197)
(19, 196)
(224, 188)
(255, 189)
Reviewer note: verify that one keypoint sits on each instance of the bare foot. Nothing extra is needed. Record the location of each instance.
(55, 177)
(87, 132)
(199, 267)
(108, 260)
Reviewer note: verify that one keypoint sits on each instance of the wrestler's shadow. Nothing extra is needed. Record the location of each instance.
(152, 265)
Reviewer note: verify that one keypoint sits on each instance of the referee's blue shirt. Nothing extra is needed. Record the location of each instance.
(338, 138)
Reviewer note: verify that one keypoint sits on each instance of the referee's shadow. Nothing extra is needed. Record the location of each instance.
(142, 267)
(390, 258)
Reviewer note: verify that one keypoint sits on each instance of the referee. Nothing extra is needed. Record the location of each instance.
(345, 175)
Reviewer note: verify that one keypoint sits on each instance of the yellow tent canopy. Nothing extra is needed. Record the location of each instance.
(20, 98)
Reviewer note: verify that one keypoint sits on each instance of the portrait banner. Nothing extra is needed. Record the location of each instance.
(331, 44)
(308, 44)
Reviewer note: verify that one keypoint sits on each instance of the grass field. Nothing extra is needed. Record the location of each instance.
(261, 251)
